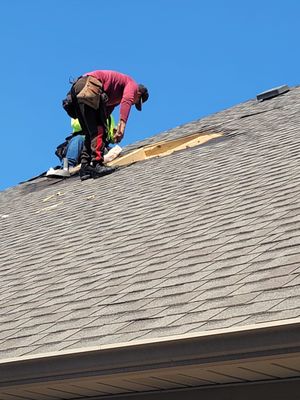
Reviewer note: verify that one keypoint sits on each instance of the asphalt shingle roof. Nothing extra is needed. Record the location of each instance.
(205, 238)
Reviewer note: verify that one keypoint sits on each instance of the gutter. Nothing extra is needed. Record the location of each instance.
(254, 342)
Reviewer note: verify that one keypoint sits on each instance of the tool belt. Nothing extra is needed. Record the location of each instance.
(92, 93)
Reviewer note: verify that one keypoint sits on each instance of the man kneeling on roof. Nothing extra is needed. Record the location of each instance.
(71, 149)
(92, 99)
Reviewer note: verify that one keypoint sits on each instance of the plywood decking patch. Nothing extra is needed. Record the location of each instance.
(164, 148)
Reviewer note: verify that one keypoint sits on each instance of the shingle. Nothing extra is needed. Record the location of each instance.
(247, 309)
(172, 330)
(216, 293)
(271, 316)
(288, 304)
(177, 298)
(279, 293)
(47, 347)
(17, 351)
(198, 316)
(149, 324)
(228, 301)
(261, 275)
(228, 322)
(98, 330)
(293, 282)
(265, 284)
(58, 336)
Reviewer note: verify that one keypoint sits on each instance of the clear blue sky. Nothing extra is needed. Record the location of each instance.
(196, 57)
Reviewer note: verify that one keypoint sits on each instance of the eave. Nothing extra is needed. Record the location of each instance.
(240, 355)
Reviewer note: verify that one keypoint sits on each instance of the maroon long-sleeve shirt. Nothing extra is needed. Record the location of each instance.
(120, 89)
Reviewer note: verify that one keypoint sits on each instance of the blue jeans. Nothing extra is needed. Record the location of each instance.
(74, 150)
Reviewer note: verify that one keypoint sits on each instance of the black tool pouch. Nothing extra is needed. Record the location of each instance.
(69, 107)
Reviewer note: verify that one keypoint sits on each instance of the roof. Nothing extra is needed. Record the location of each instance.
(204, 239)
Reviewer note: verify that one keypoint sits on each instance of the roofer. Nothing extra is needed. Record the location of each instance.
(72, 147)
(92, 99)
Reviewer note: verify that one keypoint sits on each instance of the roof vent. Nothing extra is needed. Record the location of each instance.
(272, 92)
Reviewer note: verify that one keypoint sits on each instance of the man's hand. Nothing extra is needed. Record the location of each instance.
(120, 131)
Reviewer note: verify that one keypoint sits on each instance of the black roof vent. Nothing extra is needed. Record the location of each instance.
(272, 92)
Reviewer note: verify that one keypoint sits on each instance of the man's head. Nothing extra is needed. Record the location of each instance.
(143, 96)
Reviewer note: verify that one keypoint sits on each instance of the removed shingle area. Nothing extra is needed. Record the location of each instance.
(206, 238)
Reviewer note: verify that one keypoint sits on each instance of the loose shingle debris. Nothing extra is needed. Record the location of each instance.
(50, 207)
(53, 196)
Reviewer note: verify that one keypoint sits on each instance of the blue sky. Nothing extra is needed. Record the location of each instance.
(196, 57)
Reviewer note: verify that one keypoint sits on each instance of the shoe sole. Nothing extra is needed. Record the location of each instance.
(96, 176)
(85, 177)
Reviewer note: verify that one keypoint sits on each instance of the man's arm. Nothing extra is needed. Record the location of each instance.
(118, 136)
(129, 95)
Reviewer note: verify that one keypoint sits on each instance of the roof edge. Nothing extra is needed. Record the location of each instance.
(163, 339)
(220, 346)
